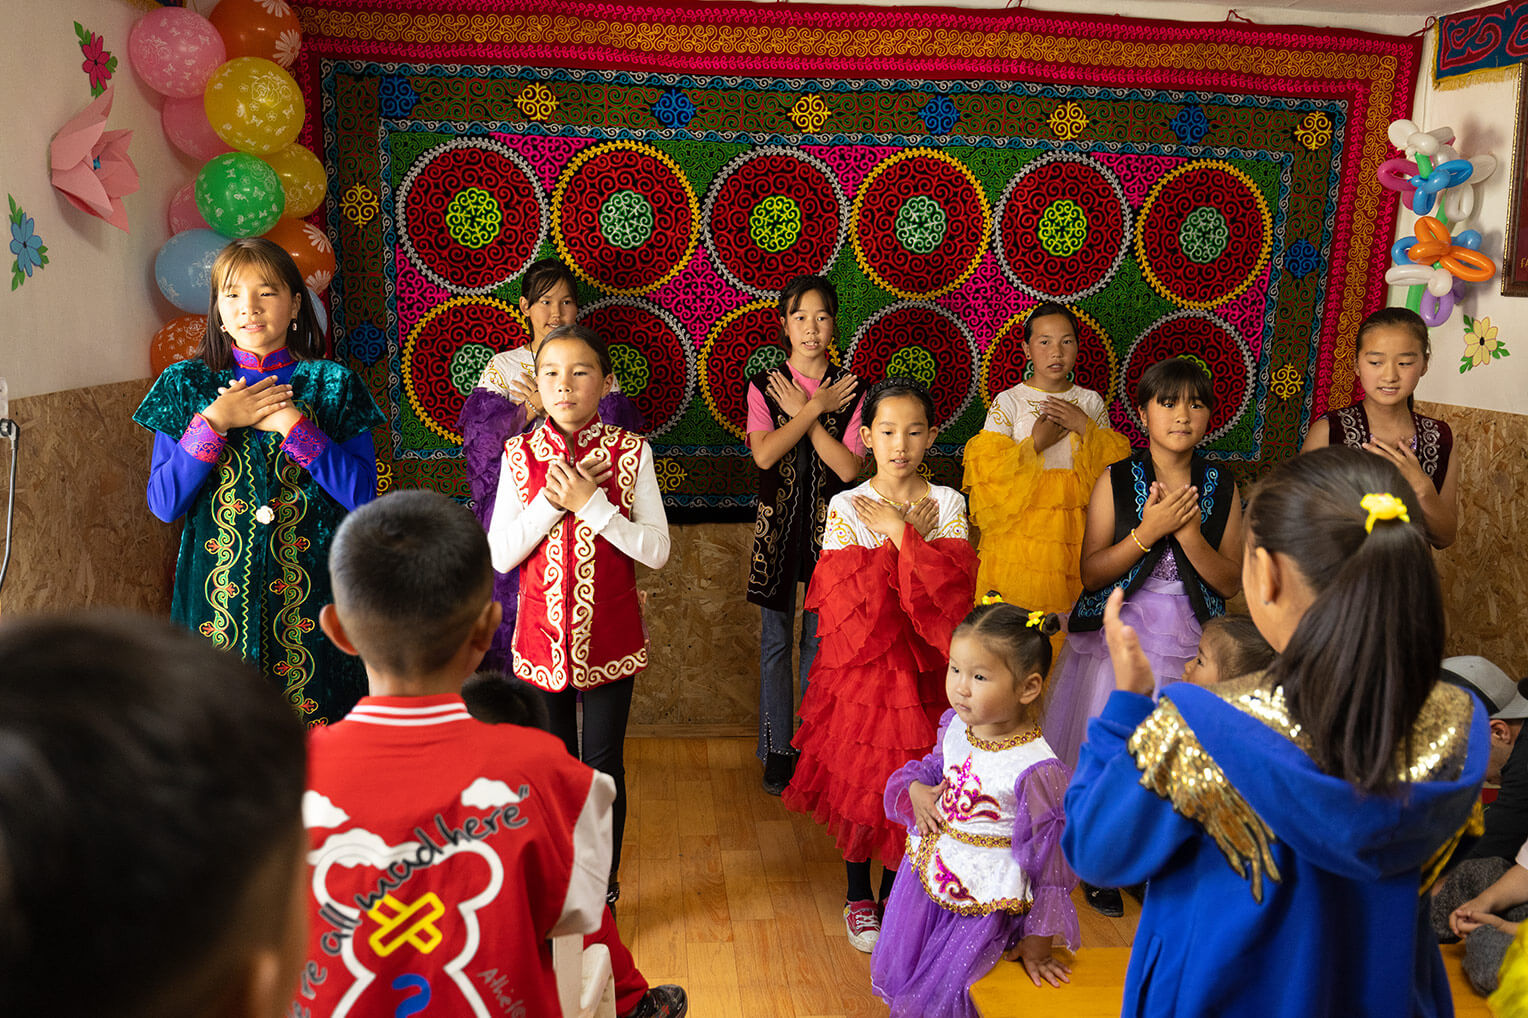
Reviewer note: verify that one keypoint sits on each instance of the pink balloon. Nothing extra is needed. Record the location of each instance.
(175, 51)
(185, 124)
(184, 215)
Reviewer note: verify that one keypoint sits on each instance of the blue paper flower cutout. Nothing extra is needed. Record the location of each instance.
(397, 96)
(939, 114)
(26, 245)
(367, 343)
(674, 109)
(1190, 125)
(31, 253)
(1302, 258)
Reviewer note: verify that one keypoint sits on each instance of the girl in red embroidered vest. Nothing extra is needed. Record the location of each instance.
(984, 877)
(578, 504)
(1164, 525)
(1393, 351)
(897, 574)
(802, 435)
(506, 402)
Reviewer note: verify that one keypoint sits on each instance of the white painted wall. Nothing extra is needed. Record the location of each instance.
(1482, 115)
(87, 317)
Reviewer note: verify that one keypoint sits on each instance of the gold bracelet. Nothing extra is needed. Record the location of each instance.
(1144, 550)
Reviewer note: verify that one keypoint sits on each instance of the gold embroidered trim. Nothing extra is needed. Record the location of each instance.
(926, 854)
(998, 745)
(1439, 738)
(979, 840)
(1175, 766)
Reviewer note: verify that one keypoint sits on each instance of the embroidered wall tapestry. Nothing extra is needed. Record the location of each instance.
(1186, 188)
(1492, 39)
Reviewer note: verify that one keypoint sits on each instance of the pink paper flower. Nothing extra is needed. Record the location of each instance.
(91, 167)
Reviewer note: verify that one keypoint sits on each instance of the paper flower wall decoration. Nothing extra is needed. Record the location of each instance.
(91, 166)
(99, 64)
(31, 253)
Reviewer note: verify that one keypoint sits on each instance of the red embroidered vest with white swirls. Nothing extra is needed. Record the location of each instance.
(575, 576)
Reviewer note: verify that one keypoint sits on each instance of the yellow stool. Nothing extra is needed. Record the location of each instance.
(1098, 983)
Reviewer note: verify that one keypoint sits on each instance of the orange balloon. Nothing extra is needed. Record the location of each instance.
(252, 28)
(310, 249)
(177, 341)
(1470, 266)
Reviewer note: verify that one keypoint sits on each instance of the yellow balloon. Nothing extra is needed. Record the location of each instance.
(302, 177)
(254, 105)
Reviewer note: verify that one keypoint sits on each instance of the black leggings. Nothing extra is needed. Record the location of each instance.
(606, 710)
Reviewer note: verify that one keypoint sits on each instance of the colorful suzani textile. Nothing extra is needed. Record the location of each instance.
(1207, 189)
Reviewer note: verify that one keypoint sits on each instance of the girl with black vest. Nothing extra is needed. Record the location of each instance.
(1164, 525)
(799, 431)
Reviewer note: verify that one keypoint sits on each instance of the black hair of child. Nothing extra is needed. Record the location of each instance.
(584, 335)
(1396, 318)
(795, 292)
(1367, 652)
(498, 699)
(542, 276)
(1049, 309)
(150, 817)
(306, 341)
(1174, 378)
(1005, 628)
(411, 573)
(1242, 649)
(899, 385)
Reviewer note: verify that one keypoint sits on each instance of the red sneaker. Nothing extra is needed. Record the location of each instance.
(863, 921)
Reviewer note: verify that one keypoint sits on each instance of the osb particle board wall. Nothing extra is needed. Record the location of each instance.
(83, 533)
(84, 537)
(1485, 571)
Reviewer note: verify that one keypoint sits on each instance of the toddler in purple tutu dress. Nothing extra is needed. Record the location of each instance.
(983, 876)
(1165, 526)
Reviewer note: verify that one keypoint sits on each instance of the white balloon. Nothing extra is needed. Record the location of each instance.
(1422, 143)
(1459, 205)
(1485, 165)
(1400, 130)
(1442, 282)
(1408, 275)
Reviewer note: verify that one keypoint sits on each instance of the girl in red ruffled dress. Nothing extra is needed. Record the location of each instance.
(897, 574)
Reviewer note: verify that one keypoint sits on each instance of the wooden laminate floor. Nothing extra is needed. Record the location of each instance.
(728, 893)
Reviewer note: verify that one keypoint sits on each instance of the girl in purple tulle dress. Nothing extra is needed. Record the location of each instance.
(1163, 525)
(983, 877)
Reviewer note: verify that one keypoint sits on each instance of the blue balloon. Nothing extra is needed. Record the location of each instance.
(1469, 239)
(183, 268)
(1399, 250)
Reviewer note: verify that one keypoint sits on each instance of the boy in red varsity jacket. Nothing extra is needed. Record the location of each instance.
(445, 852)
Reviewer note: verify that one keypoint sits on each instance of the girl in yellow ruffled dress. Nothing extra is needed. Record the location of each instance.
(1030, 470)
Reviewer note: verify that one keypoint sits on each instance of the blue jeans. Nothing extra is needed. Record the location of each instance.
(777, 700)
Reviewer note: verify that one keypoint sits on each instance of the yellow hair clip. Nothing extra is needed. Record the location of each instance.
(1036, 620)
(992, 597)
(1381, 505)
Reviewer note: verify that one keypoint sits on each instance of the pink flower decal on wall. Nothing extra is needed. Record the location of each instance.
(99, 63)
(91, 166)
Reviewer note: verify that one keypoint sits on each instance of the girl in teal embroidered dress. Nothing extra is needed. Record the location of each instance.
(262, 446)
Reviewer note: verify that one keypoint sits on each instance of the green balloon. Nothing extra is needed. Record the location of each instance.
(239, 195)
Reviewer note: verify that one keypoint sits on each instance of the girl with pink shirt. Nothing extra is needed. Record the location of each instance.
(800, 418)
